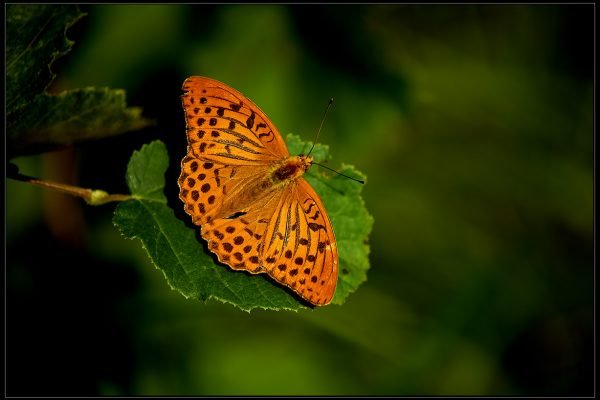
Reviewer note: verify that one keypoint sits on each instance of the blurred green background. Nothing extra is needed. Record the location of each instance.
(474, 125)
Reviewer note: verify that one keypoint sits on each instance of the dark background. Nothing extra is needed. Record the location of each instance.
(474, 125)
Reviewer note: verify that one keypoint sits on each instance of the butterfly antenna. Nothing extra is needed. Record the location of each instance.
(316, 139)
(322, 121)
(339, 173)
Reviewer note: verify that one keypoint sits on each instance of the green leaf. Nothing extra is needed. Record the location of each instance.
(346, 209)
(71, 116)
(175, 247)
(35, 120)
(146, 172)
(35, 38)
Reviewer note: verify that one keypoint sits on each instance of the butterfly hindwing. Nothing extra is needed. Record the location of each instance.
(299, 246)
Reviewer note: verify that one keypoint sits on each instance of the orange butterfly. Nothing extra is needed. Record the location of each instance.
(242, 187)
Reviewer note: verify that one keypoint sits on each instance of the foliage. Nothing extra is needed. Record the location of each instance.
(37, 120)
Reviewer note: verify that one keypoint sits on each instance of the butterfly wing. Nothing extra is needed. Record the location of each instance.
(238, 240)
(222, 124)
(299, 247)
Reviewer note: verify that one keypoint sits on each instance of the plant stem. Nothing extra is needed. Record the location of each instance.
(92, 197)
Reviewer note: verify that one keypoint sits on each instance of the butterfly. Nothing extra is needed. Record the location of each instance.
(239, 183)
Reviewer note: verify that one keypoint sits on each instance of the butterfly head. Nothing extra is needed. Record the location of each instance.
(305, 162)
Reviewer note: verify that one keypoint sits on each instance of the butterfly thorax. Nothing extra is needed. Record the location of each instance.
(290, 169)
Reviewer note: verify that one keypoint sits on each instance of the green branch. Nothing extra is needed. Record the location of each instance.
(91, 196)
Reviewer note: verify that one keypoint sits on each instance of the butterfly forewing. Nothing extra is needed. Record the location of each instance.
(222, 123)
(250, 221)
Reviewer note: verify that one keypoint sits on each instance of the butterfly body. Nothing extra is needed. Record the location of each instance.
(241, 186)
(290, 169)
